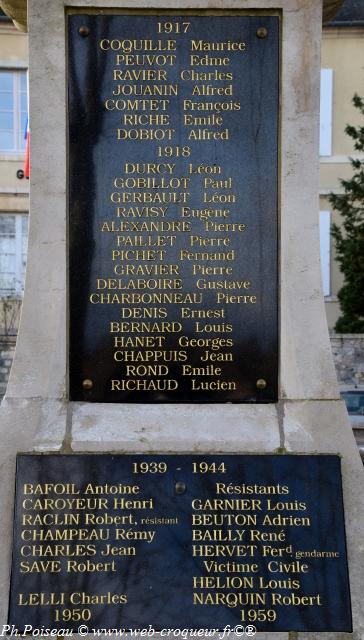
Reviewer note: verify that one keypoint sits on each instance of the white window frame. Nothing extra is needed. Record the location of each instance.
(326, 96)
(19, 280)
(325, 251)
(18, 132)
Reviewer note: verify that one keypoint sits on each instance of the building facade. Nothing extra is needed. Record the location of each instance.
(14, 187)
(342, 76)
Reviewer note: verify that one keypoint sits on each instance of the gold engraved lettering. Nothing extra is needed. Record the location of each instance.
(45, 489)
(230, 599)
(144, 385)
(141, 255)
(204, 270)
(210, 90)
(212, 343)
(287, 583)
(40, 566)
(138, 104)
(217, 184)
(202, 241)
(144, 312)
(145, 90)
(286, 521)
(218, 197)
(203, 45)
(82, 598)
(141, 212)
(88, 566)
(196, 60)
(149, 167)
(137, 45)
(205, 134)
(202, 121)
(139, 283)
(210, 370)
(145, 134)
(145, 119)
(145, 241)
(204, 214)
(296, 600)
(199, 255)
(165, 197)
(226, 298)
(203, 283)
(122, 503)
(211, 550)
(217, 357)
(139, 75)
(149, 370)
(148, 269)
(212, 385)
(206, 76)
(186, 312)
(145, 60)
(202, 168)
(41, 599)
(210, 225)
(151, 183)
(111, 550)
(218, 107)
(147, 356)
(227, 582)
(145, 327)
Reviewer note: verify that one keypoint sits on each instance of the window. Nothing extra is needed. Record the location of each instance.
(13, 110)
(13, 253)
(325, 224)
(326, 113)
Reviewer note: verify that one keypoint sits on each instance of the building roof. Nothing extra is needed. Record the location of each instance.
(351, 14)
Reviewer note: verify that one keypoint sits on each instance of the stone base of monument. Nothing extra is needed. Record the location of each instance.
(172, 459)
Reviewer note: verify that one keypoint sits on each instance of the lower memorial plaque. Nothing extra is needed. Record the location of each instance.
(179, 542)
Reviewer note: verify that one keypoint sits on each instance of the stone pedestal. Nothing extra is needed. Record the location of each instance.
(309, 417)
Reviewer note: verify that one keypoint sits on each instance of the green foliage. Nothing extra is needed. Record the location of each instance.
(349, 237)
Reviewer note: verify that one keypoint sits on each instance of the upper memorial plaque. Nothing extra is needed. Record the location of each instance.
(173, 196)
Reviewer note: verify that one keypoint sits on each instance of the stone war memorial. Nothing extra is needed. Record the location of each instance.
(174, 451)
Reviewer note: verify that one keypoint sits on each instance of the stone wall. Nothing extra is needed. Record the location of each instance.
(348, 352)
(7, 348)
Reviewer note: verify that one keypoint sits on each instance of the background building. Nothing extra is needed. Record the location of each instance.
(342, 76)
(14, 187)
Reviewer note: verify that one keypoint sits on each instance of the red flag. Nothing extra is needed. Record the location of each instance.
(27, 151)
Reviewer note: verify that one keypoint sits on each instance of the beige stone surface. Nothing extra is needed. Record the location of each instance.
(26, 426)
(168, 428)
(36, 415)
(311, 427)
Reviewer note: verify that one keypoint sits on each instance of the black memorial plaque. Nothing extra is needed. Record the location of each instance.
(173, 174)
(179, 541)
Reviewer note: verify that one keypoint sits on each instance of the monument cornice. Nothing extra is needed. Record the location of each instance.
(17, 11)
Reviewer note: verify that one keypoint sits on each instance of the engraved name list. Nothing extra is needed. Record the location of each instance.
(173, 207)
